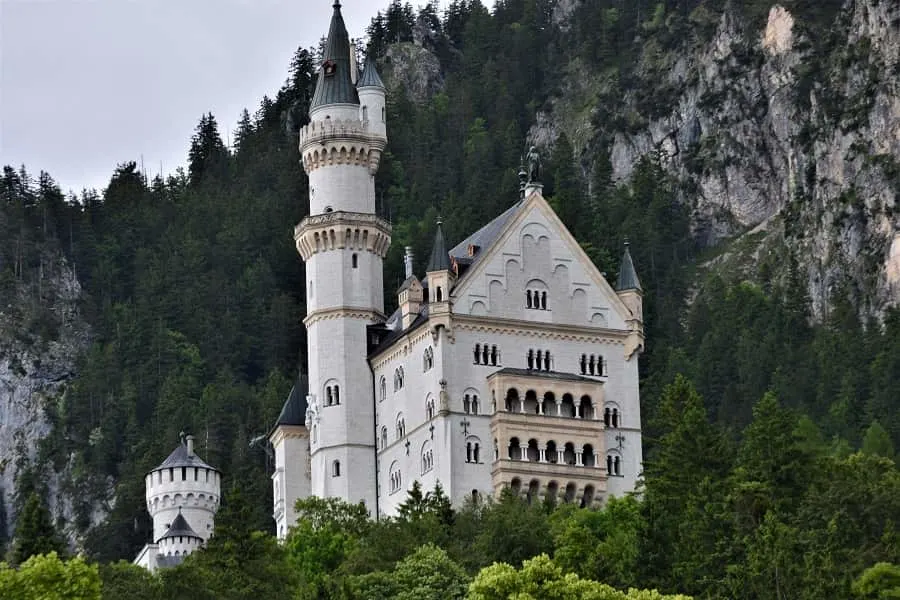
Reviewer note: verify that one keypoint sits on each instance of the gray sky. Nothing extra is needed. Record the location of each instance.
(88, 84)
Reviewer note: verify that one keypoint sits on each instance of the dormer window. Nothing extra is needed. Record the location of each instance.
(329, 67)
(472, 250)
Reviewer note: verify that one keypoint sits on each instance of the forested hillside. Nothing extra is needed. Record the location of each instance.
(179, 301)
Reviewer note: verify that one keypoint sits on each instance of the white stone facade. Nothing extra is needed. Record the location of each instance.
(517, 304)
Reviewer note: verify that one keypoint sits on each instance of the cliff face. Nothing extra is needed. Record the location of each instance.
(41, 334)
(771, 129)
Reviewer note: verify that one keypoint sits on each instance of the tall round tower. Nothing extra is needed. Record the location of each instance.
(343, 242)
(183, 495)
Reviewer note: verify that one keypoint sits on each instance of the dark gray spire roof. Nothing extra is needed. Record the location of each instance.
(440, 258)
(628, 279)
(294, 410)
(180, 527)
(369, 77)
(180, 458)
(335, 87)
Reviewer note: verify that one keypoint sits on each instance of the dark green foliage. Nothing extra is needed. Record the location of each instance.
(35, 533)
(194, 294)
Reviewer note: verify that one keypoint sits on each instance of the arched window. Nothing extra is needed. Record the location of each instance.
(611, 415)
(614, 465)
(470, 403)
(493, 355)
(328, 399)
(401, 426)
(529, 359)
(477, 354)
(439, 295)
(337, 394)
(473, 449)
(336, 468)
(428, 359)
(384, 437)
(427, 458)
(394, 477)
(536, 295)
(383, 388)
(429, 408)
(584, 364)
(354, 261)
(398, 378)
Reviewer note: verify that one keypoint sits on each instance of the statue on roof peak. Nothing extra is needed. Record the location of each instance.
(534, 165)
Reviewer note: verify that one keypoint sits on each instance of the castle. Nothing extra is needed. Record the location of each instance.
(512, 363)
(183, 494)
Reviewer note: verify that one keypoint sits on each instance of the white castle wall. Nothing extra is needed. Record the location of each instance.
(195, 490)
(291, 479)
(341, 187)
(333, 282)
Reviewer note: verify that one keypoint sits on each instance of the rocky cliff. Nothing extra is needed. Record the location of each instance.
(41, 335)
(789, 128)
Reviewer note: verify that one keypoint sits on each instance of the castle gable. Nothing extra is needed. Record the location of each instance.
(531, 268)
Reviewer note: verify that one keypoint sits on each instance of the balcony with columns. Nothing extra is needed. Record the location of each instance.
(547, 430)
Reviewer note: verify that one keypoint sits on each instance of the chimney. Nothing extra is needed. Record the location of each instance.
(190, 445)
(408, 262)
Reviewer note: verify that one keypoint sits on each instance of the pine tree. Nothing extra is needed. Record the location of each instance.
(208, 155)
(35, 533)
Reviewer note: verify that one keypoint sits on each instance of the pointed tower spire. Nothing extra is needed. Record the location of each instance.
(440, 257)
(628, 279)
(335, 85)
(370, 77)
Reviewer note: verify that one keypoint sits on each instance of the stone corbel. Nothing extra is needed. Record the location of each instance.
(436, 334)
(634, 344)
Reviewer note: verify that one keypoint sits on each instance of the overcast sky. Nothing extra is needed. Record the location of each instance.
(88, 84)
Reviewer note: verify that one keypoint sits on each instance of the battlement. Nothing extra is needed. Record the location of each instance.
(334, 129)
(342, 229)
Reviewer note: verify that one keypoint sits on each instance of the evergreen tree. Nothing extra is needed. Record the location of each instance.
(35, 533)
(207, 156)
(877, 442)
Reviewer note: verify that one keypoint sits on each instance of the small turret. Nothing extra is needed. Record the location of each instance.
(180, 539)
(628, 287)
(183, 482)
(372, 99)
(411, 293)
(440, 277)
(335, 96)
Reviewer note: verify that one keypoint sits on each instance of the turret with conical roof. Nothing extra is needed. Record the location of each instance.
(183, 482)
(440, 278)
(628, 288)
(372, 99)
(180, 539)
(183, 495)
(335, 84)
